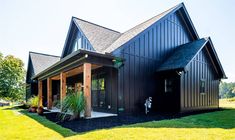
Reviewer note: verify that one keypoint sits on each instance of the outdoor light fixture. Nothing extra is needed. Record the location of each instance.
(179, 73)
(117, 62)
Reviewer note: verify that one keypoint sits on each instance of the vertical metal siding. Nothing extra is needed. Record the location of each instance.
(143, 54)
(200, 68)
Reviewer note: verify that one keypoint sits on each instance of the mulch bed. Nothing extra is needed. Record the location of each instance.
(84, 125)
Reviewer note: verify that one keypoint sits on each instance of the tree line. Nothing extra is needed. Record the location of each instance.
(227, 90)
(12, 78)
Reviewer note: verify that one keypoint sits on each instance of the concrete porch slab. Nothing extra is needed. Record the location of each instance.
(94, 114)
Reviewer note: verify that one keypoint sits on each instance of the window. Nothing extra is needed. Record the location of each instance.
(202, 86)
(101, 84)
(168, 85)
(94, 84)
(98, 84)
(77, 43)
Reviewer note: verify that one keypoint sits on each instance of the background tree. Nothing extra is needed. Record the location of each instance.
(12, 78)
(227, 90)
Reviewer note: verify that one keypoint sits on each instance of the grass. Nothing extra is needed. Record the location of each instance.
(18, 124)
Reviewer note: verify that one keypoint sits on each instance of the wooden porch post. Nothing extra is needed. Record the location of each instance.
(39, 93)
(49, 93)
(87, 88)
(62, 87)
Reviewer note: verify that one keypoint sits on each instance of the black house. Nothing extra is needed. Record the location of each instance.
(162, 58)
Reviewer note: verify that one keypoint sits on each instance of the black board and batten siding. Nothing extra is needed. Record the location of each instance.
(201, 68)
(143, 54)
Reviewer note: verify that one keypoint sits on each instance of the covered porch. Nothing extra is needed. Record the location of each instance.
(82, 70)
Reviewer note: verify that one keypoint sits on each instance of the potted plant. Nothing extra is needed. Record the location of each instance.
(40, 110)
(73, 103)
(33, 103)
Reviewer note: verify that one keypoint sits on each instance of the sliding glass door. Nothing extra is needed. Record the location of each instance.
(98, 91)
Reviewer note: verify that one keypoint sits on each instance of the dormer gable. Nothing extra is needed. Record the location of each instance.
(88, 36)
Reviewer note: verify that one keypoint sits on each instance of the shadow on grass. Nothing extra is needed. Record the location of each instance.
(51, 125)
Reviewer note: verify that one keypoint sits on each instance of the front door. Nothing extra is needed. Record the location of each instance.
(98, 91)
(168, 93)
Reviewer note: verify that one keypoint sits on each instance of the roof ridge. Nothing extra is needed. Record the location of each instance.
(154, 17)
(115, 44)
(43, 54)
(150, 18)
(96, 24)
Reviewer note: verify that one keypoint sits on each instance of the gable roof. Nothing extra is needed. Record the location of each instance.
(100, 37)
(126, 36)
(41, 61)
(184, 54)
(107, 40)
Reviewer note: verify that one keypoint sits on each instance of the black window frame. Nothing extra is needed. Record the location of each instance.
(202, 86)
(96, 78)
(168, 85)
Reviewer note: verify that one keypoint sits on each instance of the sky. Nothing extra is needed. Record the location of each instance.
(42, 25)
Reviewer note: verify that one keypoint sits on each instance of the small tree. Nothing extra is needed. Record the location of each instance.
(12, 78)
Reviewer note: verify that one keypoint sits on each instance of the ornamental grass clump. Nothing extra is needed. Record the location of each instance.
(73, 104)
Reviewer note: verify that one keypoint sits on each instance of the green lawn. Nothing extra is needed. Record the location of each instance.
(18, 124)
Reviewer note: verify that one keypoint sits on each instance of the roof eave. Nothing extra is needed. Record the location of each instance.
(217, 59)
(67, 37)
(80, 51)
(57, 63)
(190, 21)
(172, 69)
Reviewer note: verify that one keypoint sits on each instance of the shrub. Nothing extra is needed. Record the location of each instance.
(33, 101)
(73, 103)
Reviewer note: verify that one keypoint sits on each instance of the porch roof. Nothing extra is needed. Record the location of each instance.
(184, 54)
(74, 60)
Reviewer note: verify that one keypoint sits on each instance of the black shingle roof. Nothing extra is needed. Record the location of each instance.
(41, 61)
(183, 55)
(100, 37)
(129, 34)
(107, 40)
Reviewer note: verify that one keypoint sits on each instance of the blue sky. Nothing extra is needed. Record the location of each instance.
(42, 25)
